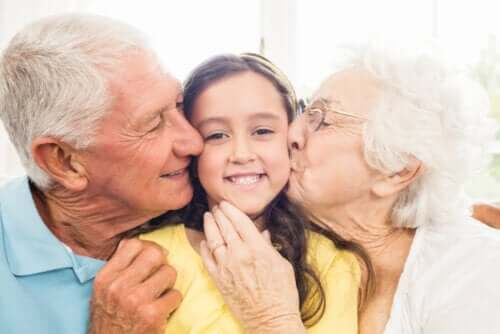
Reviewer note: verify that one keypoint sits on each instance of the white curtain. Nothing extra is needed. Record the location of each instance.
(14, 14)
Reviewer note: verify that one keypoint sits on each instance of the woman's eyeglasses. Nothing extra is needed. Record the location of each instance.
(315, 114)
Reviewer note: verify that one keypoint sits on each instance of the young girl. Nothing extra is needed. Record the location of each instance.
(242, 106)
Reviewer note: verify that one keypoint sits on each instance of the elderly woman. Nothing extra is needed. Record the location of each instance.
(380, 156)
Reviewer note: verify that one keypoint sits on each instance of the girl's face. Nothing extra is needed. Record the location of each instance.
(243, 122)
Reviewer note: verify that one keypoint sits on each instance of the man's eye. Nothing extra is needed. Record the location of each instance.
(263, 132)
(215, 136)
(180, 106)
(158, 125)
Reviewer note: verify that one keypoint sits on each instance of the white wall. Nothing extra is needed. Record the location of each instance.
(14, 14)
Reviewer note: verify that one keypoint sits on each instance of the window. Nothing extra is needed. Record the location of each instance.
(185, 33)
(299, 36)
(469, 33)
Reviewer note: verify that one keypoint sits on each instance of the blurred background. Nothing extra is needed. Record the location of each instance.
(301, 36)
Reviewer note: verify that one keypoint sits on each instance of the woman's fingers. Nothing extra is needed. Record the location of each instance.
(226, 228)
(267, 237)
(215, 243)
(208, 258)
(241, 223)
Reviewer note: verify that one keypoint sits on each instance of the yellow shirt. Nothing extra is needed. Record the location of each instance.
(203, 309)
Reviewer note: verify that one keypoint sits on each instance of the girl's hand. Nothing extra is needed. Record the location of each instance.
(257, 283)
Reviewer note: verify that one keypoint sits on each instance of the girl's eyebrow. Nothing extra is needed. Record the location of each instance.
(264, 115)
(261, 115)
(210, 120)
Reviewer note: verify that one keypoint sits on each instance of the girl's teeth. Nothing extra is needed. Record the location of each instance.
(245, 179)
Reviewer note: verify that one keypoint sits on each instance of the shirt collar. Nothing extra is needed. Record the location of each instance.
(30, 246)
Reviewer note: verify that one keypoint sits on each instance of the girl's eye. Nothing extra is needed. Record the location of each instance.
(215, 136)
(263, 132)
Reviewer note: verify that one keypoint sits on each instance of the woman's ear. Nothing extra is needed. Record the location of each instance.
(60, 161)
(395, 182)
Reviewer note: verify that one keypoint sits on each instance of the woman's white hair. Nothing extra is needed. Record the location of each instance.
(54, 78)
(430, 112)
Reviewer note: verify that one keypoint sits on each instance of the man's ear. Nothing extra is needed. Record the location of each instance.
(394, 183)
(60, 161)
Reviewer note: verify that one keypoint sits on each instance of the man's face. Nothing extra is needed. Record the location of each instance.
(144, 144)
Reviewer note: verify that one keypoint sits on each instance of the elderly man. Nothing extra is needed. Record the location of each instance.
(96, 123)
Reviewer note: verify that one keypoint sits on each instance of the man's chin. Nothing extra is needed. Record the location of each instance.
(179, 200)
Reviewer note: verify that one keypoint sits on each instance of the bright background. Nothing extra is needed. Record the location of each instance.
(299, 35)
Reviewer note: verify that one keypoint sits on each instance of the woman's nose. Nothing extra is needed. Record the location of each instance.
(297, 134)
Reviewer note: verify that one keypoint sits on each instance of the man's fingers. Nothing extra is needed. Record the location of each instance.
(124, 284)
(153, 317)
(126, 252)
(159, 282)
(147, 262)
(169, 302)
(147, 292)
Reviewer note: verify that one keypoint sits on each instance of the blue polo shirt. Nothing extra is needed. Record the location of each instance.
(44, 287)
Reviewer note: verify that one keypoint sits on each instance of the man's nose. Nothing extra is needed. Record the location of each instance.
(188, 141)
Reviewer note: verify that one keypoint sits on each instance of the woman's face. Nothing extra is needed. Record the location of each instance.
(328, 169)
(243, 122)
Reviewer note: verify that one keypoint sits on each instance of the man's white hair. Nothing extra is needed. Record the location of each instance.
(54, 81)
(430, 112)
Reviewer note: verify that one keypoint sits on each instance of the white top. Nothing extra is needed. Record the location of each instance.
(450, 283)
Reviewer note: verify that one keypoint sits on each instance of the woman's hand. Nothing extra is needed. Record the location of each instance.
(257, 283)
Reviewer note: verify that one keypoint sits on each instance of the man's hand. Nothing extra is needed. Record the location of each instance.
(133, 292)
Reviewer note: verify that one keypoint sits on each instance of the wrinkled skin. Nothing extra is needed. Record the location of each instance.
(133, 293)
(244, 266)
